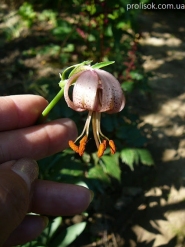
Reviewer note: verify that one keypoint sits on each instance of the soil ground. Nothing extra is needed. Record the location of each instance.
(160, 218)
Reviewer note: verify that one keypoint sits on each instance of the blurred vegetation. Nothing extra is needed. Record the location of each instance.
(69, 32)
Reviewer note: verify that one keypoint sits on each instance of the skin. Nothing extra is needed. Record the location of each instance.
(21, 143)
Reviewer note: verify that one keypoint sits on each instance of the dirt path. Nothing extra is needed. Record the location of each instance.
(160, 220)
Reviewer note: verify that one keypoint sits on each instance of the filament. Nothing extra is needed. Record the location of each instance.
(86, 126)
(95, 125)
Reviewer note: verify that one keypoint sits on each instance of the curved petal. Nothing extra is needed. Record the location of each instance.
(69, 82)
(113, 99)
(85, 91)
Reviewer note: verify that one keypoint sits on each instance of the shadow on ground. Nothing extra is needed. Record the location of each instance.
(159, 220)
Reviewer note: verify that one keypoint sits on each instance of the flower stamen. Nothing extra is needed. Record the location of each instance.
(112, 147)
(102, 148)
(98, 135)
(83, 143)
(73, 146)
(86, 126)
(95, 126)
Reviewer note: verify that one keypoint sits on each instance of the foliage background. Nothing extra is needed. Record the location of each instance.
(58, 34)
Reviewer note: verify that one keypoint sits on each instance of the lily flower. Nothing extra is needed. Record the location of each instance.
(96, 91)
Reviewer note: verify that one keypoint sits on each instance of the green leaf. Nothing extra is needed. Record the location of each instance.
(69, 167)
(72, 172)
(62, 28)
(130, 156)
(112, 166)
(102, 64)
(77, 67)
(136, 75)
(145, 157)
(54, 226)
(71, 233)
(68, 48)
(83, 184)
(97, 172)
(32, 244)
(128, 86)
(27, 13)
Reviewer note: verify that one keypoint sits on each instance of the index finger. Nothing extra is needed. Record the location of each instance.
(20, 111)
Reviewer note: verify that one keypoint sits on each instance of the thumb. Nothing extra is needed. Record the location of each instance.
(16, 178)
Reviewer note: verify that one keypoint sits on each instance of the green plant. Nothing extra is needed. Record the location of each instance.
(27, 14)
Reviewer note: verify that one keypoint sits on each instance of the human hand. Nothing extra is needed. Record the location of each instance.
(20, 190)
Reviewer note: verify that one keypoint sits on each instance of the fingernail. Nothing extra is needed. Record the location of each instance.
(92, 195)
(45, 221)
(27, 169)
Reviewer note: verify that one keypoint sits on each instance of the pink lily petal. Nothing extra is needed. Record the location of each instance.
(66, 91)
(85, 91)
(113, 99)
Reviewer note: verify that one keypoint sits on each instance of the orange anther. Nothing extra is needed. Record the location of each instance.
(73, 146)
(102, 148)
(112, 147)
(105, 143)
(83, 143)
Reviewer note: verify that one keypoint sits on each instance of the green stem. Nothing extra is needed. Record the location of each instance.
(53, 102)
(50, 106)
